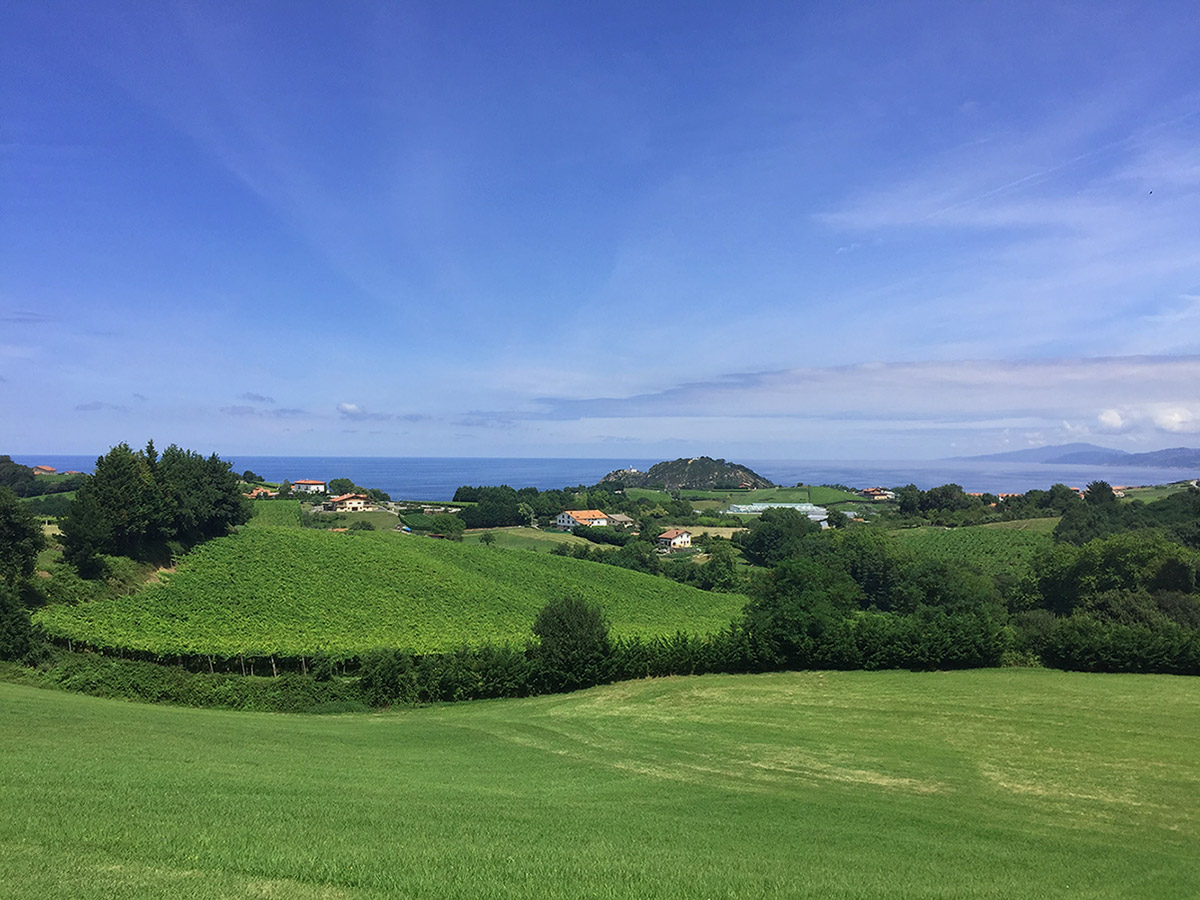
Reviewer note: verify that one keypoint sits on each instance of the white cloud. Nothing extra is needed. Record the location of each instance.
(1177, 419)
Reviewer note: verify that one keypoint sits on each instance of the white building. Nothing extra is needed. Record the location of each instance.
(572, 517)
(675, 539)
(350, 502)
(307, 486)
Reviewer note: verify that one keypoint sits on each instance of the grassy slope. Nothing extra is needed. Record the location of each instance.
(526, 538)
(1155, 492)
(985, 784)
(290, 591)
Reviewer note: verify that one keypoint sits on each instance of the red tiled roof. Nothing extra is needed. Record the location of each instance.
(672, 534)
(580, 515)
(348, 497)
(306, 481)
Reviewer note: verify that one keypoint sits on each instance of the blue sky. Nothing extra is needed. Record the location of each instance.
(547, 229)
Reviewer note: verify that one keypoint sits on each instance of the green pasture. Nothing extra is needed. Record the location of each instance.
(646, 494)
(525, 538)
(292, 591)
(1151, 493)
(381, 519)
(839, 785)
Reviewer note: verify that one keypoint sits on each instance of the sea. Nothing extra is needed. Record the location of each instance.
(436, 478)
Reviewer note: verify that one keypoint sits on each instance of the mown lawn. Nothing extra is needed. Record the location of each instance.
(984, 784)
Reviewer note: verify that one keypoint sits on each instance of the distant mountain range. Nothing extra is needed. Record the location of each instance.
(1090, 455)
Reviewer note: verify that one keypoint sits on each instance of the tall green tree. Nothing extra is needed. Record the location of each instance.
(20, 538)
(573, 646)
(136, 503)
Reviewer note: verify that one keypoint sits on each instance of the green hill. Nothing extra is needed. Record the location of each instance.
(290, 591)
(987, 784)
(699, 472)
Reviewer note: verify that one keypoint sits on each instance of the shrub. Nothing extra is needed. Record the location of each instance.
(573, 644)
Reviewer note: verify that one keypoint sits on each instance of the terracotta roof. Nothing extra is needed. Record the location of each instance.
(306, 481)
(349, 497)
(672, 534)
(580, 515)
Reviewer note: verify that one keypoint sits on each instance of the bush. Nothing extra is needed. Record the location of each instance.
(573, 646)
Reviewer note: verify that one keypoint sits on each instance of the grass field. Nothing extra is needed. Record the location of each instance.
(526, 538)
(983, 784)
(1155, 492)
(808, 494)
(290, 591)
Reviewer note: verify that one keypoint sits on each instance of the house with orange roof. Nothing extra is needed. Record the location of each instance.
(349, 503)
(592, 518)
(44, 470)
(675, 539)
(308, 486)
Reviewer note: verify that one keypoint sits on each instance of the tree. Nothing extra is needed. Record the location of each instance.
(343, 486)
(20, 539)
(720, 572)
(799, 610)
(1100, 493)
(136, 504)
(448, 524)
(251, 477)
(285, 489)
(573, 646)
(910, 499)
(16, 629)
(487, 538)
(776, 535)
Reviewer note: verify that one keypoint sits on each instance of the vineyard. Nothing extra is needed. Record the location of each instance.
(289, 592)
(991, 550)
(275, 512)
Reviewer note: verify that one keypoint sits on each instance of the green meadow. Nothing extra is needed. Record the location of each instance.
(522, 538)
(979, 784)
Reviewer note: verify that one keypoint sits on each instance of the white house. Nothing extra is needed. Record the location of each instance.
(350, 502)
(572, 517)
(307, 486)
(675, 539)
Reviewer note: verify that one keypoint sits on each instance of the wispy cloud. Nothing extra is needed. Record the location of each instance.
(257, 398)
(254, 411)
(25, 317)
(98, 406)
(1114, 394)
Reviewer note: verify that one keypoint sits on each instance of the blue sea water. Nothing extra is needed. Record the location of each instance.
(435, 478)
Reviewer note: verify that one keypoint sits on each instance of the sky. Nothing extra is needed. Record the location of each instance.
(768, 230)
